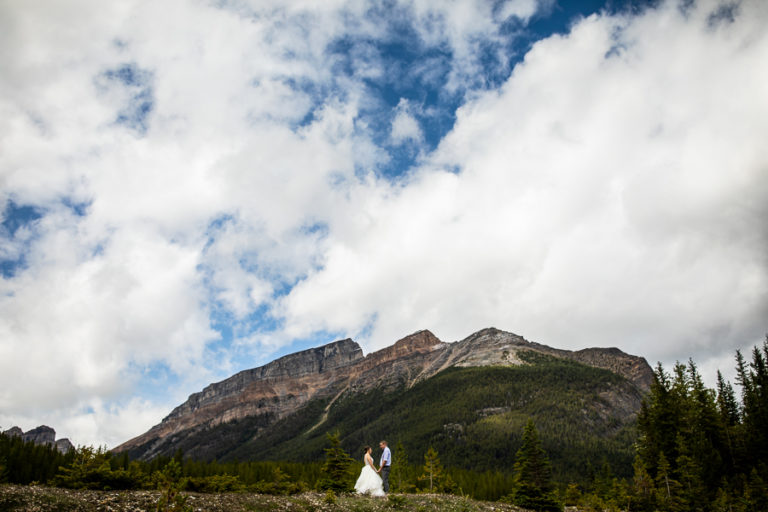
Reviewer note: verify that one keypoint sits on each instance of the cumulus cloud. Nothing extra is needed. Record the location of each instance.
(194, 166)
(612, 192)
(186, 161)
(405, 127)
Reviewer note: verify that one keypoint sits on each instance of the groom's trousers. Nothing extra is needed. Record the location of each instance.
(385, 478)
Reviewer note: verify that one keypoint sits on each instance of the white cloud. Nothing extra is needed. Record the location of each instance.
(96, 421)
(83, 311)
(405, 127)
(521, 9)
(610, 193)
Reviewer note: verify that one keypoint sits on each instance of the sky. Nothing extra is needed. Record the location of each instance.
(190, 188)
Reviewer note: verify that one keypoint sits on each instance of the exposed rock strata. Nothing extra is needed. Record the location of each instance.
(41, 435)
(14, 432)
(64, 445)
(283, 386)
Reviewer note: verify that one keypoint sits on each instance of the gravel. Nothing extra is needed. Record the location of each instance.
(51, 499)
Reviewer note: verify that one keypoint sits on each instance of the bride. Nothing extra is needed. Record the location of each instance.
(369, 481)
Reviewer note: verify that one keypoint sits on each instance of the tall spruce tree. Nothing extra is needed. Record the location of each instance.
(399, 478)
(337, 474)
(754, 382)
(533, 484)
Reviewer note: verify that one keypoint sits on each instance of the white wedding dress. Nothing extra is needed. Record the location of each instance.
(369, 481)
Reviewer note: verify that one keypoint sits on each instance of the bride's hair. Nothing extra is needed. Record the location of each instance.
(365, 450)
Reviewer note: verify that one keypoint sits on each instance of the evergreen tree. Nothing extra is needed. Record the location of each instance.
(572, 495)
(24, 461)
(755, 392)
(168, 481)
(657, 421)
(756, 493)
(644, 489)
(337, 467)
(534, 488)
(399, 477)
(726, 402)
(704, 442)
(692, 494)
(667, 488)
(730, 420)
(717, 458)
(433, 470)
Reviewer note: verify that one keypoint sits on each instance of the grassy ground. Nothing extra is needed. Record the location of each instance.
(49, 499)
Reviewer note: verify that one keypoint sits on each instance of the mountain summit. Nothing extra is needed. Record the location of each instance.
(42, 435)
(307, 384)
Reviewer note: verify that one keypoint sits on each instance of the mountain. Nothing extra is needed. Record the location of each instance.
(421, 391)
(41, 435)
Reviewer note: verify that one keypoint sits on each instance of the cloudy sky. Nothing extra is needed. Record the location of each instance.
(189, 188)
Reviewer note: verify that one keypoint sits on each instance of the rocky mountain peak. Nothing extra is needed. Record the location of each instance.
(44, 435)
(420, 341)
(634, 368)
(314, 360)
(40, 435)
(14, 432)
(488, 347)
(492, 346)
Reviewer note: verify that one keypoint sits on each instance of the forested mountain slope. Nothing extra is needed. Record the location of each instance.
(469, 400)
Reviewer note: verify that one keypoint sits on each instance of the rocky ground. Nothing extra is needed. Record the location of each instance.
(49, 499)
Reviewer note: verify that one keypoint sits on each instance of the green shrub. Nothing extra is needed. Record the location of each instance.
(330, 497)
(213, 484)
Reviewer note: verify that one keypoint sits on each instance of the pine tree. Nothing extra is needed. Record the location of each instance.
(336, 469)
(730, 420)
(701, 448)
(756, 493)
(726, 401)
(572, 495)
(706, 441)
(693, 494)
(667, 488)
(756, 406)
(534, 488)
(658, 420)
(399, 475)
(433, 470)
(644, 488)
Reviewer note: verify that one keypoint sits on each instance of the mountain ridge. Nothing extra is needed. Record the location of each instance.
(282, 387)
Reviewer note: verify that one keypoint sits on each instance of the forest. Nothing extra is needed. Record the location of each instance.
(697, 448)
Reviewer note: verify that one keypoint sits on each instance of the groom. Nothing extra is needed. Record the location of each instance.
(384, 464)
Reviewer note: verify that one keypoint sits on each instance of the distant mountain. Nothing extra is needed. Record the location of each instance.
(42, 435)
(469, 398)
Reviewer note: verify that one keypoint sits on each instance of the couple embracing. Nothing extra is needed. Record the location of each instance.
(370, 482)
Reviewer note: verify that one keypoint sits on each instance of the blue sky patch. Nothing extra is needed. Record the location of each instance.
(140, 103)
(16, 217)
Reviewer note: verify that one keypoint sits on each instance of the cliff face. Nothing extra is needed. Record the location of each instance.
(41, 435)
(282, 387)
(274, 390)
